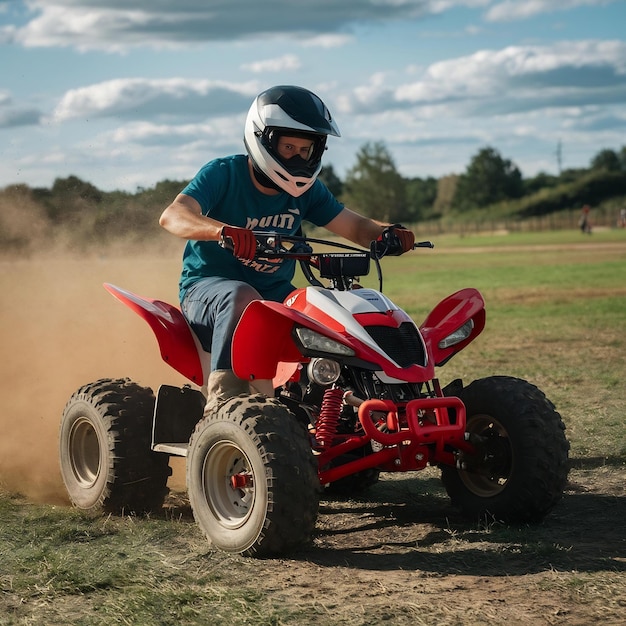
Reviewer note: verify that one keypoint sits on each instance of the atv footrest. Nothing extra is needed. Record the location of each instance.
(177, 449)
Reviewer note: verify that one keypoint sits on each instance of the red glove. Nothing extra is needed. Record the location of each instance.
(394, 241)
(405, 237)
(242, 241)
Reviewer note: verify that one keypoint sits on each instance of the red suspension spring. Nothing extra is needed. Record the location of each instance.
(326, 426)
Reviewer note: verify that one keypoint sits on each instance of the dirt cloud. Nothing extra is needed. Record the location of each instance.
(59, 329)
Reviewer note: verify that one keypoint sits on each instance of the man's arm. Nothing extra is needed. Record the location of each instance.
(183, 218)
(356, 228)
(391, 239)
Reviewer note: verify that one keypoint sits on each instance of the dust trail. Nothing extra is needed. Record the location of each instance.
(59, 329)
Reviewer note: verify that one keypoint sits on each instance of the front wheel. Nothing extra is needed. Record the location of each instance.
(520, 467)
(252, 478)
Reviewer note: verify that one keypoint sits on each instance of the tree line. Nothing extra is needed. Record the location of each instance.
(491, 184)
(77, 212)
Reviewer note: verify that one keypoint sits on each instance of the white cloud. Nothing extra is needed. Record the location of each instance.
(217, 133)
(287, 62)
(511, 10)
(326, 41)
(439, 6)
(532, 77)
(144, 98)
(116, 24)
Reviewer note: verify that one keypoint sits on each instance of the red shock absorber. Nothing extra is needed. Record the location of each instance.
(326, 425)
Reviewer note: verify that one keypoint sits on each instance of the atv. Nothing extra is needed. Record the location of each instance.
(355, 395)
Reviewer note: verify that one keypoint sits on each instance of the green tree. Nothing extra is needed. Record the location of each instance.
(489, 178)
(606, 160)
(622, 158)
(420, 196)
(541, 181)
(73, 187)
(331, 180)
(571, 175)
(374, 187)
(69, 199)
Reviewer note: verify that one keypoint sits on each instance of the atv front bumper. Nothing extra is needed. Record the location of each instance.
(402, 438)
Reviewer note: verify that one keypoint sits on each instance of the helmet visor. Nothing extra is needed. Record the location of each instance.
(300, 162)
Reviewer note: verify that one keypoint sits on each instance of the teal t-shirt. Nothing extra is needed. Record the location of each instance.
(225, 192)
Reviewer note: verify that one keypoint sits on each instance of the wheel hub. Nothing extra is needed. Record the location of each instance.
(486, 472)
(85, 452)
(228, 484)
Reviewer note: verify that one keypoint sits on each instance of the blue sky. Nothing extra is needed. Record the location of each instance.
(125, 93)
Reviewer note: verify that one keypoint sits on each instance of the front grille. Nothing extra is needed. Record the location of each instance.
(402, 344)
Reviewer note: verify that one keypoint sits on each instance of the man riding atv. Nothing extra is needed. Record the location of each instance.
(274, 188)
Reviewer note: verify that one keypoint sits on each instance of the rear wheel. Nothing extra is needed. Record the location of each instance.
(520, 468)
(252, 478)
(104, 449)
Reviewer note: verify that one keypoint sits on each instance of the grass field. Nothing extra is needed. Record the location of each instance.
(556, 311)
(556, 315)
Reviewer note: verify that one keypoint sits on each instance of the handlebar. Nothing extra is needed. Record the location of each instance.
(271, 245)
(342, 268)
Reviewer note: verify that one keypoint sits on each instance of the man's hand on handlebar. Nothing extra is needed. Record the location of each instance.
(242, 241)
(394, 241)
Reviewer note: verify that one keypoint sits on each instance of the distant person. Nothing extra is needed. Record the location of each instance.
(621, 222)
(584, 222)
(273, 188)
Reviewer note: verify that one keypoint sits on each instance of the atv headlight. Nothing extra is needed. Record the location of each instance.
(460, 334)
(324, 371)
(315, 342)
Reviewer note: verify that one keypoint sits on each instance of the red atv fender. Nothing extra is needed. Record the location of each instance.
(263, 346)
(449, 315)
(177, 343)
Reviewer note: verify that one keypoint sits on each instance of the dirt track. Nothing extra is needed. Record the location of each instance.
(399, 555)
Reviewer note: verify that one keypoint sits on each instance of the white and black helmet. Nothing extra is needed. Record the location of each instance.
(292, 111)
